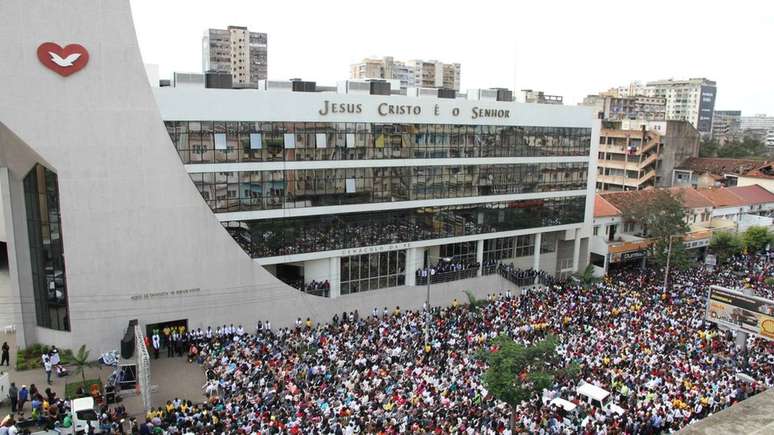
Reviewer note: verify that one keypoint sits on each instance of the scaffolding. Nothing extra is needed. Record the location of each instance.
(143, 368)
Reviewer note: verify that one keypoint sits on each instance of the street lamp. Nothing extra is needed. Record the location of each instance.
(669, 256)
(427, 301)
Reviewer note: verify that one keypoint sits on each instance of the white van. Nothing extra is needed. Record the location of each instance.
(598, 397)
(83, 415)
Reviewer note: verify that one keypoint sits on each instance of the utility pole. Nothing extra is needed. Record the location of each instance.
(427, 309)
(669, 257)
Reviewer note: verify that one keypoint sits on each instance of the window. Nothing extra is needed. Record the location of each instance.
(498, 249)
(41, 190)
(597, 260)
(525, 246)
(548, 243)
(629, 227)
(256, 141)
(596, 230)
(298, 235)
(220, 141)
(372, 271)
(380, 141)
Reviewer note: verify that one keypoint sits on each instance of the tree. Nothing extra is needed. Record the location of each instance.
(587, 278)
(747, 147)
(474, 303)
(725, 244)
(81, 361)
(755, 239)
(658, 211)
(708, 148)
(662, 216)
(678, 259)
(516, 372)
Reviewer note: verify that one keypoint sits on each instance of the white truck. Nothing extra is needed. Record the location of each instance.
(597, 397)
(83, 416)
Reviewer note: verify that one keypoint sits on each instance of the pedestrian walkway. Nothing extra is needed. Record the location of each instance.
(171, 377)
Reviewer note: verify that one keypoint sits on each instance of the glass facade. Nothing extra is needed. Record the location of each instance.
(273, 237)
(264, 190)
(231, 141)
(41, 191)
(373, 271)
(498, 249)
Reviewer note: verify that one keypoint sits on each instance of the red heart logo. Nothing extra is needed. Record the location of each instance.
(63, 61)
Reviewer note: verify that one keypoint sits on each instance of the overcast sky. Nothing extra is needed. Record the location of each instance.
(570, 48)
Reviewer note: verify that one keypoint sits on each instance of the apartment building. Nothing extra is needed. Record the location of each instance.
(616, 108)
(412, 73)
(691, 100)
(236, 51)
(635, 154)
(760, 127)
(726, 125)
(540, 97)
(627, 158)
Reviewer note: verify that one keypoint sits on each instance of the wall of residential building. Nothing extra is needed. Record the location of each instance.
(681, 141)
(766, 183)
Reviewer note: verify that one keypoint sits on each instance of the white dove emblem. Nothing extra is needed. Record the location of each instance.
(66, 62)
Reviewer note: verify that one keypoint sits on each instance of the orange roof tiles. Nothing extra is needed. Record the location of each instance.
(722, 197)
(754, 194)
(603, 208)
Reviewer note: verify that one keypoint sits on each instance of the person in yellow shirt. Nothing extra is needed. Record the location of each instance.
(455, 303)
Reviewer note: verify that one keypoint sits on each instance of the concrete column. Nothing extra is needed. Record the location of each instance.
(334, 271)
(480, 255)
(411, 266)
(576, 250)
(536, 253)
(20, 296)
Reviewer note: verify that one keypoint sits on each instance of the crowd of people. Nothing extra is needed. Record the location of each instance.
(49, 411)
(665, 366)
(525, 277)
(447, 271)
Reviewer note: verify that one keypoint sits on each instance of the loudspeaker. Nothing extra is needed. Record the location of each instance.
(127, 343)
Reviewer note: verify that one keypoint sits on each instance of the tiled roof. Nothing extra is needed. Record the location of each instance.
(754, 194)
(603, 208)
(722, 197)
(688, 196)
(762, 171)
(718, 166)
(691, 198)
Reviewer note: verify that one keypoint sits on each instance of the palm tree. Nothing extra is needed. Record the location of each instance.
(587, 278)
(81, 362)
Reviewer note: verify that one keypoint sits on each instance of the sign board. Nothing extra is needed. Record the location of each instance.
(710, 260)
(634, 255)
(740, 312)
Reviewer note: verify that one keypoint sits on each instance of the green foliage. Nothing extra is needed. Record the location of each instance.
(516, 372)
(755, 239)
(71, 388)
(660, 213)
(30, 357)
(474, 303)
(81, 361)
(748, 147)
(725, 244)
(662, 216)
(709, 149)
(587, 278)
(678, 260)
(769, 281)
